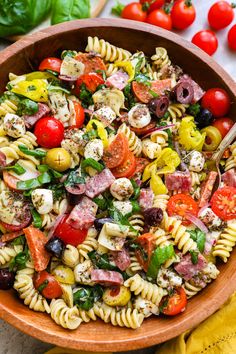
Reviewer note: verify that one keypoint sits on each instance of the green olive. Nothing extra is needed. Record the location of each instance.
(64, 275)
(213, 138)
(117, 296)
(59, 159)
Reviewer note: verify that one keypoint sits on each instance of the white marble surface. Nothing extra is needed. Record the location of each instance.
(11, 340)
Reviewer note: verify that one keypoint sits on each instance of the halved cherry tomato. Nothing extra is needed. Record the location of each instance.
(47, 285)
(183, 14)
(117, 151)
(53, 64)
(79, 115)
(141, 163)
(91, 61)
(68, 234)
(220, 15)
(232, 38)
(174, 304)
(49, 132)
(11, 181)
(91, 81)
(147, 241)
(160, 18)
(134, 11)
(206, 40)
(127, 168)
(223, 203)
(223, 125)
(180, 204)
(144, 130)
(217, 101)
(152, 5)
(142, 92)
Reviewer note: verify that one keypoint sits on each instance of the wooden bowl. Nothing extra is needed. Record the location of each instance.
(24, 56)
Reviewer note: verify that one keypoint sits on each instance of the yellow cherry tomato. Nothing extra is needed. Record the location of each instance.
(59, 159)
(212, 139)
(64, 275)
(117, 296)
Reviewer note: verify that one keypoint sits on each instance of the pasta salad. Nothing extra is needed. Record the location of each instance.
(107, 202)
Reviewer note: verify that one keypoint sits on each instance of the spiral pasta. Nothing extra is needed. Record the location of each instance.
(7, 253)
(161, 201)
(107, 51)
(70, 256)
(161, 58)
(135, 144)
(226, 242)
(137, 223)
(65, 316)
(231, 161)
(145, 289)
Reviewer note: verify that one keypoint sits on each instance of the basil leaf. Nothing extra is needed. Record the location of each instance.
(43, 285)
(159, 256)
(92, 163)
(27, 107)
(68, 10)
(18, 169)
(194, 256)
(37, 153)
(37, 221)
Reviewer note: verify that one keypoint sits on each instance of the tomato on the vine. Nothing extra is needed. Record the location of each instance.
(134, 11)
(183, 14)
(53, 64)
(206, 40)
(223, 125)
(217, 101)
(160, 18)
(49, 132)
(151, 5)
(232, 38)
(220, 15)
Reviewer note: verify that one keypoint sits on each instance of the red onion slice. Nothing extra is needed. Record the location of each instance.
(197, 222)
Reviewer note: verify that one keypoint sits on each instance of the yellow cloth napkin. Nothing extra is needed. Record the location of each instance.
(216, 335)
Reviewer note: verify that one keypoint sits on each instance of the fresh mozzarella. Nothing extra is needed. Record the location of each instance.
(121, 189)
(42, 200)
(71, 67)
(14, 125)
(94, 150)
(139, 116)
(196, 162)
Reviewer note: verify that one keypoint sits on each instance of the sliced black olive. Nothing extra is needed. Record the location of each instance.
(159, 106)
(153, 216)
(204, 118)
(6, 279)
(55, 246)
(184, 92)
(98, 223)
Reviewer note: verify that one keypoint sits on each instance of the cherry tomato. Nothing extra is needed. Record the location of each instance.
(91, 81)
(147, 241)
(117, 151)
(180, 204)
(223, 203)
(217, 101)
(91, 61)
(174, 304)
(11, 181)
(47, 285)
(79, 115)
(134, 11)
(206, 40)
(223, 125)
(183, 14)
(160, 18)
(220, 15)
(68, 234)
(232, 38)
(151, 5)
(53, 64)
(127, 168)
(49, 132)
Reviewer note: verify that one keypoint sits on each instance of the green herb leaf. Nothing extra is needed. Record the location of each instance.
(43, 285)
(68, 10)
(194, 256)
(117, 10)
(159, 256)
(37, 221)
(27, 107)
(18, 169)
(92, 163)
(199, 237)
(36, 153)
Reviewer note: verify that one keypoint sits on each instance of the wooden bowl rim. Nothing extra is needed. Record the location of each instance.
(210, 305)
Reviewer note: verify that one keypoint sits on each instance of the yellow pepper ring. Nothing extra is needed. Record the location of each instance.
(102, 133)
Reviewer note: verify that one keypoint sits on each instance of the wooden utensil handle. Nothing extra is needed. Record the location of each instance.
(228, 139)
(98, 8)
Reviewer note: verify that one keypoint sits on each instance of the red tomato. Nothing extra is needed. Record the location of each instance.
(174, 304)
(183, 14)
(117, 151)
(160, 18)
(147, 241)
(144, 130)
(127, 168)
(134, 11)
(180, 204)
(47, 285)
(206, 40)
(220, 15)
(142, 92)
(223, 125)
(53, 64)
(79, 115)
(49, 132)
(232, 38)
(92, 62)
(11, 181)
(223, 203)
(152, 5)
(70, 235)
(91, 81)
(217, 101)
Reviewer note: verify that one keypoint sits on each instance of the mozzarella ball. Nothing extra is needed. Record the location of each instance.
(139, 116)
(196, 162)
(121, 189)
(14, 125)
(123, 207)
(105, 114)
(94, 149)
(42, 200)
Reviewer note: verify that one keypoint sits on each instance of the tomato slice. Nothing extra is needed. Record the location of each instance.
(145, 130)
(147, 241)
(127, 168)
(47, 285)
(91, 81)
(117, 151)
(180, 204)
(92, 62)
(223, 203)
(11, 181)
(141, 163)
(79, 115)
(174, 304)
(70, 235)
(142, 92)
(53, 64)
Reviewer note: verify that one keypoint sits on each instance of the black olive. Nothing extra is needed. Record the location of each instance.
(153, 216)
(204, 118)
(184, 92)
(159, 106)
(55, 246)
(98, 223)
(6, 279)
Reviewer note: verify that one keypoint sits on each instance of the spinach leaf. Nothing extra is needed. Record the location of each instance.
(67, 10)
(159, 256)
(85, 297)
(199, 237)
